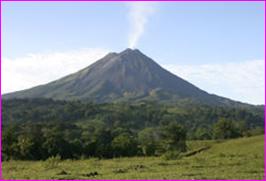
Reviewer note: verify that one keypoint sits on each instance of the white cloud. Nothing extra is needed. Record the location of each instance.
(239, 81)
(36, 69)
(139, 12)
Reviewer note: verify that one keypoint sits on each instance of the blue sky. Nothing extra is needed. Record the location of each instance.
(174, 34)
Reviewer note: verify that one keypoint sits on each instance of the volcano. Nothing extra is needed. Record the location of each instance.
(126, 76)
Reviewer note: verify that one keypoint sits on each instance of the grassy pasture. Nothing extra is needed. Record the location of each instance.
(241, 158)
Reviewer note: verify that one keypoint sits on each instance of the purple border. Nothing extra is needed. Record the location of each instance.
(264, 90)
(133, 0)
(1, 176)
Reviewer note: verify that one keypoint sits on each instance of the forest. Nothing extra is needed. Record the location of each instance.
(36, 129)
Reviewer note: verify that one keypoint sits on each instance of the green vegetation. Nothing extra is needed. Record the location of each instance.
(48, 139)
(241, 158)
(36, 129)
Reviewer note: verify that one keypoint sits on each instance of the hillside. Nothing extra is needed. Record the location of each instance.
(126, 76)
(41, 128)
(237, 159)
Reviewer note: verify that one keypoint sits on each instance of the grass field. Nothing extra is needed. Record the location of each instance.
(233, 159)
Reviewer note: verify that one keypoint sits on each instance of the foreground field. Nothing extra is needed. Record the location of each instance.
(234, 159)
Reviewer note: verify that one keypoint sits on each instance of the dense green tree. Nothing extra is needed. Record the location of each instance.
(103, 143)
(225, 129)
(148, 139)
(173, 137)
(55, 144)
(25, 146)
(202, 133)
(124, 145)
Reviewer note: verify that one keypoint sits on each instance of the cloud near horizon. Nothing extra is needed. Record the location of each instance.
(139, 12)
(35, 69)
(242, 81)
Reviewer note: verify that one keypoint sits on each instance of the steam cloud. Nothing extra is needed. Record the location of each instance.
(139, 12)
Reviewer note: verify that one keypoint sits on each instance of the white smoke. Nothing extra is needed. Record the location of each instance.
(139, 12)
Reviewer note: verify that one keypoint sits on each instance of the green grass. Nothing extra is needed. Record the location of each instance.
(233, 159)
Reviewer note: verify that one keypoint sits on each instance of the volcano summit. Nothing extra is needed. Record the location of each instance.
(126, 76)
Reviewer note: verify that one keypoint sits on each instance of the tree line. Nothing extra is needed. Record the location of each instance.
(36, 129)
